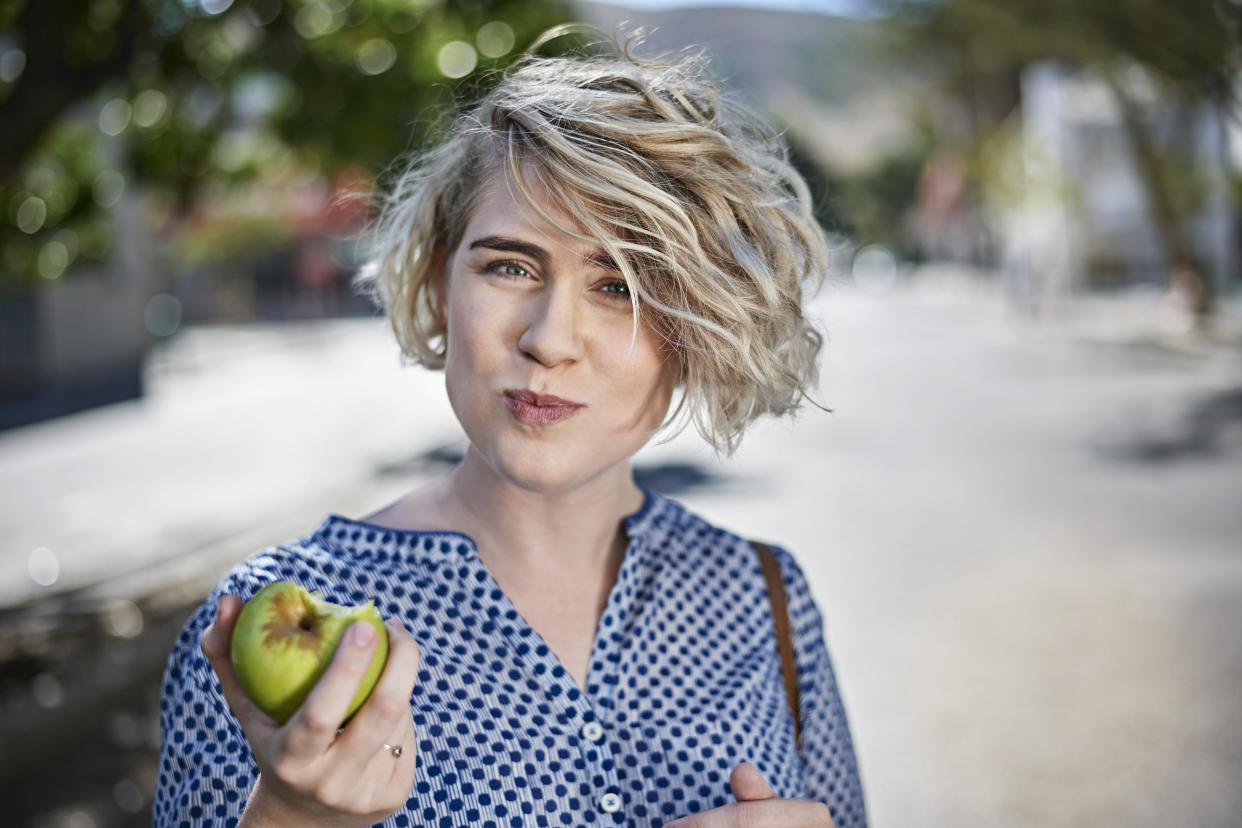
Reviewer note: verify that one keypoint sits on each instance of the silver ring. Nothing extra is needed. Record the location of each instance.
(397, 750)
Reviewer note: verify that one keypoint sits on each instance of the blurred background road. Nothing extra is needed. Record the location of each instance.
(1021, 518)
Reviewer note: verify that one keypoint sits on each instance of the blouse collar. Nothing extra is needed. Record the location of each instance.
(416, 545)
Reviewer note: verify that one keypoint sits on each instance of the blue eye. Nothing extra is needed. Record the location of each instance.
(510, 269)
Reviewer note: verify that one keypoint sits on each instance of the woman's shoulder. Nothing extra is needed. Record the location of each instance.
(309, 560)
(677, 523)
(326, 559)
(704, 551)
(343, 558)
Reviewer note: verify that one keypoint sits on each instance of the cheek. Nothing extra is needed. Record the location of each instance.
(466, 324)
(460, 357)
(643, 382)
(478, 333)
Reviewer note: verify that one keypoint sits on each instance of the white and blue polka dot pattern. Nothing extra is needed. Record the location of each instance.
(684, 683)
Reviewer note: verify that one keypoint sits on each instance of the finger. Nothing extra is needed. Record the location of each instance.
(379, 779)
(387, 709)
(770, 813)
(397, 769)
(748, 784)
(313, 727)
(215, 644)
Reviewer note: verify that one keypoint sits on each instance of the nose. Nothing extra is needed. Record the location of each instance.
(551, 336)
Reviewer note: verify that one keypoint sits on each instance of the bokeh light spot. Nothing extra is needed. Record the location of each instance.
(123, 618)
(107, 188)
(128, 796)
(257, 95)
(114, 116)
(43, 566)
(150, 107)
(494, 39)
(53, 259)
(316, 20)
(31, 215)
(235, 149)
(376, 56)
(71, 241)
(875, 268)
(162, 314)
(47, 690)
(12, 64)
(78, 819)
(456, 59)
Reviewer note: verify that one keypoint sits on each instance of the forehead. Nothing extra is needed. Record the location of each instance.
(501, 208)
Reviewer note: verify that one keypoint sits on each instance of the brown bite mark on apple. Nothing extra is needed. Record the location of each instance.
(292, 623)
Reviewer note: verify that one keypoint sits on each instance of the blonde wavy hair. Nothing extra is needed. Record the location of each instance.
(691, 195)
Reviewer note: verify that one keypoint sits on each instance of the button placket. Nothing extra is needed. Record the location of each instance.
(533, 656)
(605, 653)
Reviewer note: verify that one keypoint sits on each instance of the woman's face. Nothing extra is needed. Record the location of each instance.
(531, 310)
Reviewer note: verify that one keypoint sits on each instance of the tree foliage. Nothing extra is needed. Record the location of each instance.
(1190, 45)
(1150, 53)
(184, 97)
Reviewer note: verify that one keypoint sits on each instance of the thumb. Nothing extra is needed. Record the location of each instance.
(748, 784)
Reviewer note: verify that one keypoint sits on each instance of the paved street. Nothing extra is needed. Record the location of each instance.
(1028, 553)
(244, 430)
(1026, 545)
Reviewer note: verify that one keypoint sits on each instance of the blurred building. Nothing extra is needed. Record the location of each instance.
(81, 341)
(303, 268)
(1074, 214)
(78, 342)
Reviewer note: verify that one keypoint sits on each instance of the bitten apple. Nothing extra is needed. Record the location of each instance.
(284, 639)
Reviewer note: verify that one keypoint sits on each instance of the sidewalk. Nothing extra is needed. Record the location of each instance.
(243, 430)
(1143, 316)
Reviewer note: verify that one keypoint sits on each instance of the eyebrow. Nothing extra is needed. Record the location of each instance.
(534, 251)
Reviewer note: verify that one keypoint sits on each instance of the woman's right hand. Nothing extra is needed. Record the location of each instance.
(308, 773)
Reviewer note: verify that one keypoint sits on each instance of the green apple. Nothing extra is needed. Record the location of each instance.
(284, 639)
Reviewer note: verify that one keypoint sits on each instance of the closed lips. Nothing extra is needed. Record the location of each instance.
(541, 400)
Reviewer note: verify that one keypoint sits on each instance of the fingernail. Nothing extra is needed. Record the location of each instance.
(360, 635)
(394, 625)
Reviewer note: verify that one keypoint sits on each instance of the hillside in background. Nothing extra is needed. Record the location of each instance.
(820, 75)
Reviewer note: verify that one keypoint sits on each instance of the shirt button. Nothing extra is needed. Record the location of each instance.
(592, 731)
(610, 803)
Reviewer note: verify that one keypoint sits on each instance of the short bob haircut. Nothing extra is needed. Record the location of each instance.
(691, 196)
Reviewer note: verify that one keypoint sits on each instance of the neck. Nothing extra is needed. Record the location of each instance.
(564, 535)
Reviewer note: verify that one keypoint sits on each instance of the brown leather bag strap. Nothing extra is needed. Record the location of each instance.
(784, 639)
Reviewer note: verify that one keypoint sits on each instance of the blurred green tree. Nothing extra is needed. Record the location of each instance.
(865, 206)
(190, 96)
(1187, 49)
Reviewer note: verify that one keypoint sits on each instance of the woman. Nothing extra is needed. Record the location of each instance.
(566, 647)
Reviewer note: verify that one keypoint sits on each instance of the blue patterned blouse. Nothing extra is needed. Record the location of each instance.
(684, 683)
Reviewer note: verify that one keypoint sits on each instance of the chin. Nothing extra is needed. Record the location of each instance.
(544, 478)
(547, 469)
